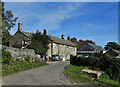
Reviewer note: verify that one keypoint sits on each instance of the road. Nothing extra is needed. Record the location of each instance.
(47, 75)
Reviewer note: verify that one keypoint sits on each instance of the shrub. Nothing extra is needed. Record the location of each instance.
(6, 57)
(107, 64)
(83, 61)
(104, 62)
(114, 69)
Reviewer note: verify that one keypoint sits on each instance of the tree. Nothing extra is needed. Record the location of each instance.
(74, 40)
(39, 43)
(112, 45)
(8, 21)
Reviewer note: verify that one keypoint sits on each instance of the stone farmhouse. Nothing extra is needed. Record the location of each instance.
(21, 37)
(58, 46)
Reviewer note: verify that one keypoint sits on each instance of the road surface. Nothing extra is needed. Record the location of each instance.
(47, 75)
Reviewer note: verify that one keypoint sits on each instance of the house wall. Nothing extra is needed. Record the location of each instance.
(19, 38)
(49, 50)
(63, 51)
(111, 53)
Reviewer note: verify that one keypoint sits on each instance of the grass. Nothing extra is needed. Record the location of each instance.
(17, 66)
(75, 73)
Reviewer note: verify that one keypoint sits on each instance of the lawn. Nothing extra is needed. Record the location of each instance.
(18, 66)
(75, 74)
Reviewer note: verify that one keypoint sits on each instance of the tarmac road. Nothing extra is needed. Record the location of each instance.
(46, 75)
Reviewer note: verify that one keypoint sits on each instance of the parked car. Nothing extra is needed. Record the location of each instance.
(55, 58)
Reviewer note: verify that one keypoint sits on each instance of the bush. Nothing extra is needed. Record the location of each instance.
(83, 61)
(107, 64)
(6, 57)
(104, 62)
(114, 69)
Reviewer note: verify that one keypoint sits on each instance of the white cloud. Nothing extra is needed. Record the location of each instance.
(51, 20)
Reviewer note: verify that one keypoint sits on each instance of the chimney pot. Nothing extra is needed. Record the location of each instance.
(62, 36)
(68, 38)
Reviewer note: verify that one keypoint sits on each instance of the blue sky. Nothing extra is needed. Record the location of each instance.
(97, 21)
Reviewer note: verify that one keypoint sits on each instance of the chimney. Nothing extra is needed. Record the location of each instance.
(20, 26)
(68, 38)
(62, 36)
(44, 31)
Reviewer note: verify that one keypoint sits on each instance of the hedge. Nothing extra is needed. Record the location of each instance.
(107, 64)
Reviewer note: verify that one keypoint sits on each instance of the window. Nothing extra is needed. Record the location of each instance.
(57, 45)
(67, 47)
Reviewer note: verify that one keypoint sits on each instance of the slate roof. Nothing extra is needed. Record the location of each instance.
(61, 41)
(28, 34)
(53, 38)
(91, 47)
(96, 47)
(117, 51)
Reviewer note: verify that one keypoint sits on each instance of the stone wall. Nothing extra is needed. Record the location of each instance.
(22, 53)
(64, 51)
(19, 38)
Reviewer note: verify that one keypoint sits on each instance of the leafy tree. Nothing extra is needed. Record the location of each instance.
(112, 45)
(8, 21)
(74, 40)
(39, 43)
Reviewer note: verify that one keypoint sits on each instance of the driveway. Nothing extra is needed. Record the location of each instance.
(47, 75)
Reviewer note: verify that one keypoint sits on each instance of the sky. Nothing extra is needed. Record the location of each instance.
(96, 21)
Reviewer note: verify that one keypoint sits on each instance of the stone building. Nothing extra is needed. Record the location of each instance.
(58, 46)
(21, 37)
(113, 53)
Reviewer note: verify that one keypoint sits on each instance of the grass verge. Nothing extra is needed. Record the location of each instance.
(75, 73)
(17, 66)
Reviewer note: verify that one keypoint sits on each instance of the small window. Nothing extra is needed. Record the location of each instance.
(57, 45)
